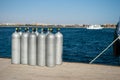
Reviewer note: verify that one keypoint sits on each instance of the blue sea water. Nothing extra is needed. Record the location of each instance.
(80, 45)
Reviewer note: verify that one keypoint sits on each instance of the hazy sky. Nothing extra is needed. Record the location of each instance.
(60, 11)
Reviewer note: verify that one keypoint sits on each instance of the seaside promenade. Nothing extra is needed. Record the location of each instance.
(66, 71)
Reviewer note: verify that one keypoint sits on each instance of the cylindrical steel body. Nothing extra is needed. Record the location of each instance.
(41, 49)
(32, 49)
(58, 47)
(24, 48)
(15, 48)
(50, 50)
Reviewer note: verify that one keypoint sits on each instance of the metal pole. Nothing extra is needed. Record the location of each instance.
(104, 50)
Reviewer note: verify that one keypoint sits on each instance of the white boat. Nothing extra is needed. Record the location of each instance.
(94, 27)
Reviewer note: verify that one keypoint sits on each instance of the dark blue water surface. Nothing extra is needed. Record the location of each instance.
(80, 45)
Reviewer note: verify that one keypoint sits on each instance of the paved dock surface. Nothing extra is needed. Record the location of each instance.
(66, 71)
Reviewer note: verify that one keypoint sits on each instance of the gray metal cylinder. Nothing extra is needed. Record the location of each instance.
(58, 47)
(32, 49)
(15, 48)
(50, 50)
(24, 48)
(41, 49)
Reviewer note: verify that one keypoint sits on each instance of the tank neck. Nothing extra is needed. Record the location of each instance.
(26, 30)
(58, 30)
(50, 30)
(33, 30)
(19, 29)
(42, 30)
(16, 30)
(36, 29)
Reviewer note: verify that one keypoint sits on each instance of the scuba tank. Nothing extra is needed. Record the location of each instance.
(41, 49)
(24, 46)
(32, 48)
(58, 46)
(15, 47)
(50, 50)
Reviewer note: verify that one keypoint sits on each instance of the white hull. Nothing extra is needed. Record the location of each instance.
(94, 27)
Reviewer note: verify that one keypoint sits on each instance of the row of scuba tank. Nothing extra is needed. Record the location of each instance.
(34, 48)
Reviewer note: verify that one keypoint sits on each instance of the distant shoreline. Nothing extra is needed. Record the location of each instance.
(52, 26)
